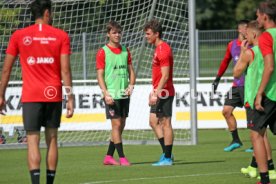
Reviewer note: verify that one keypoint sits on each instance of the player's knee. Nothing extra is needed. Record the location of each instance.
(116, 126)
(226, 113)
(152, 124)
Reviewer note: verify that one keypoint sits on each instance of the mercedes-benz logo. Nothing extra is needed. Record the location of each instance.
(27, 40)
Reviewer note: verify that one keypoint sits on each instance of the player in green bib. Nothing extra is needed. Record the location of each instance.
(265, 102)
(251, 60)
(116, 79)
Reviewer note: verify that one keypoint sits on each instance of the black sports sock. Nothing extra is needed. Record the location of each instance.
(264, 178)
(270, 164)
(50, 176)
(119, 148)
(235, 136)
(162, 143)
(35, 176)
(253, 162)
(168, 151)
(111, 148)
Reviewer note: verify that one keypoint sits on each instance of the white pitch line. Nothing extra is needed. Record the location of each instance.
(161, 177)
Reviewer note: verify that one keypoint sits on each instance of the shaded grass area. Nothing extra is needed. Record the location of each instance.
(203, 163)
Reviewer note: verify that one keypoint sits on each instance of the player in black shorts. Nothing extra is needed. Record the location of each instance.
(116, 79)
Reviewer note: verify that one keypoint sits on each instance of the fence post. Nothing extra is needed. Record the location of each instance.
(84, 64)
(192, 59)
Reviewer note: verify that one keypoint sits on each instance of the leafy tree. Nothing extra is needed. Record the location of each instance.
(216, 14)
(246, 9)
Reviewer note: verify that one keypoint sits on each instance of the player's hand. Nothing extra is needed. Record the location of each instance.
(70, 107)
(258, 102)
(153, 98)
(108, 99)
(215, 84)
(244, 46)
(2, 106)
(129, 90)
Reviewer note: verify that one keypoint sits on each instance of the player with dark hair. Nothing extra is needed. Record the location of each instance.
(265, 101)
(45, 61)
(235, 97)
(162, 94)
(116, 79)
(251, 60)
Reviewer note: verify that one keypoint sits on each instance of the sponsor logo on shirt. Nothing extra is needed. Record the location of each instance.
(27, 40)
(44, 40)
(40, 60)
(154, 58)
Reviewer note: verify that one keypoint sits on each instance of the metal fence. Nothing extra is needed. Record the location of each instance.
(212, 45)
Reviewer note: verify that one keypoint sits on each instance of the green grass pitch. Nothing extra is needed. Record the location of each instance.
(205, 163)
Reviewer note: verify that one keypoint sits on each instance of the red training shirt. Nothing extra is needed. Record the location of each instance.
(40, 47)
(163, 56)
(266, 43)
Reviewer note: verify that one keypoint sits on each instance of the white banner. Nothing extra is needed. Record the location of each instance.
(90, 110)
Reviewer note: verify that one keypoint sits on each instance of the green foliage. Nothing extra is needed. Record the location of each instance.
(246, 9)
(8, 20)
(218, 14)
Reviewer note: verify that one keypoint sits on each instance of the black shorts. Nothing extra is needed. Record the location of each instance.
(37, 114)
(257, 120)
(163, 107)
(119, 109)
(235, 97)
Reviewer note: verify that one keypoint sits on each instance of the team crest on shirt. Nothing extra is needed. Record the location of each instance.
(154, 60)
(111, 112)
(27, 40)
(31, 60)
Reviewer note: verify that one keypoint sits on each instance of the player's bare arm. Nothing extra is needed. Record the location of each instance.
(67, 82)
(6, 71)
(132, 79)
(165, 71)
(244, 60)
(268, 70)
(100, 77)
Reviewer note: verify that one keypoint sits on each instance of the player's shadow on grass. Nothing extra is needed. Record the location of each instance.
(181, 162)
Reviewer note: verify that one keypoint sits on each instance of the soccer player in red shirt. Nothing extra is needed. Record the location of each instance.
(162, 95)
(265, 102)
(45, 61)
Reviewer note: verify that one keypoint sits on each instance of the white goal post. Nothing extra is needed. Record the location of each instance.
(85, 22)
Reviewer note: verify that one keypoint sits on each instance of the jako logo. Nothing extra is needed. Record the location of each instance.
(40, 60)
(45, 60)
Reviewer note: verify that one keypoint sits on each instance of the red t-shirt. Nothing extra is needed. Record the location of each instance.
(100, 57)
(40, 47)
(163, 57)
(266, 43)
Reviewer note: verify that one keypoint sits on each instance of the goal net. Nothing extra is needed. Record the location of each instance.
(85, 22)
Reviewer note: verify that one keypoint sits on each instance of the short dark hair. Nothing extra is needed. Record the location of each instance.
(155, 26)
(113, 25)
(268, 8)
(38, 7)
